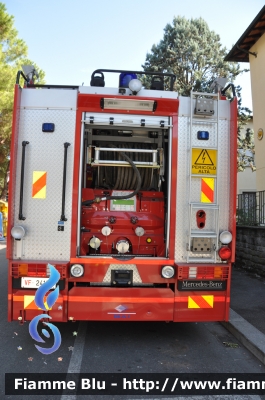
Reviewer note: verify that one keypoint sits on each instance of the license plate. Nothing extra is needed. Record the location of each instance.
(33, 283)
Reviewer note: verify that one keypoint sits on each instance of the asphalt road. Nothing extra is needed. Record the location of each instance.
(120, 347)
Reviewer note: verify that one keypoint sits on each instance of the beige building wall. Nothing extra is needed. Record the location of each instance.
(257, 72)
(246, 181)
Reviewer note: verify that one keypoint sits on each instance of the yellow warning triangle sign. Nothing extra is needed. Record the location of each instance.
(204, 158)
(203, 161)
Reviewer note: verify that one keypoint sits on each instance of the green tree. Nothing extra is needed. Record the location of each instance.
(193, 52)
(245, 137)
(13, 54)
(245, 150)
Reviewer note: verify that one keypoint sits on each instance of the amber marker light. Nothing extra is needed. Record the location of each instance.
(23, 269)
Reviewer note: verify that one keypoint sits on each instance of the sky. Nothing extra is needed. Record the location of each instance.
(69, 39)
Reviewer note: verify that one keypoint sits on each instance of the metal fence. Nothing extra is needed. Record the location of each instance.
(251, 208)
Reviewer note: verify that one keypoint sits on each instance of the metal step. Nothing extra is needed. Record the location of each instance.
(206, 206)
(201, 260)
(204, 120)
(205, 234)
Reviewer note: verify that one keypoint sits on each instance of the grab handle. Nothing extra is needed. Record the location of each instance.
(66, 145)
(20, 215)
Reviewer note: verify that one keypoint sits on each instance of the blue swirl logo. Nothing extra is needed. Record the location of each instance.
(50, 300)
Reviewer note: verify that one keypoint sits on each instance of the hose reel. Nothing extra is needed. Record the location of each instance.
(117, 166)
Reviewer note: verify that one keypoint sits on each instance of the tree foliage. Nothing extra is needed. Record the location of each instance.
(245, 150)
(193, 52)
(245, 137)
(13, 54)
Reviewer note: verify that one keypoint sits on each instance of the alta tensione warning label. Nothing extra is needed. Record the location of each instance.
(204, 161)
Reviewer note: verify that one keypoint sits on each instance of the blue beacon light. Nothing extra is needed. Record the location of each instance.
(125, 79)
(48, 127)
(203, 135)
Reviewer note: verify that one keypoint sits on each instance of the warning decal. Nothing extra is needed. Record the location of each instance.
(204, 161)
(207, 190)
(29, 303)
(39, 184)
(200, 301)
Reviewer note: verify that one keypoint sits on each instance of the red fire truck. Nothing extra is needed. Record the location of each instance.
(129, 193)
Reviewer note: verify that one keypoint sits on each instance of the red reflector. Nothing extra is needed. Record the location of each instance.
(225, 253)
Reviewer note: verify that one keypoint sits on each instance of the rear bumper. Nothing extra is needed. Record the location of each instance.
(124, 304)
(110, 304)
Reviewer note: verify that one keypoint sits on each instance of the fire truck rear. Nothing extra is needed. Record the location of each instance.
(129, 193)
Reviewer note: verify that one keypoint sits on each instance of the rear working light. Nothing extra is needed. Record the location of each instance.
(18, 232)
(225, 237)
(77, 270)
(168, 271)
(135, 85)
(225, 253)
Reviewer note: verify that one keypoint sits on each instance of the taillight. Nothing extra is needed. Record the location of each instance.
(225, 253)
(38, 270)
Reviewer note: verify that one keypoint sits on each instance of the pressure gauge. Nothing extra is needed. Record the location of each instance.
(106, 230)
(94, 242)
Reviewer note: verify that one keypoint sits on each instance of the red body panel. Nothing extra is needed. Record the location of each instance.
(121, 304)
(92, 104)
